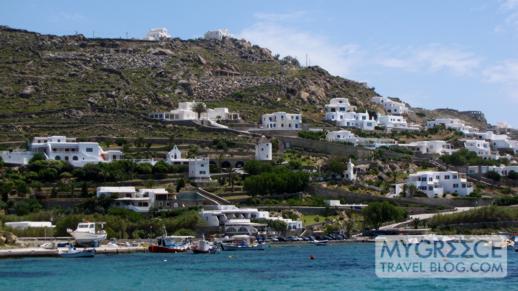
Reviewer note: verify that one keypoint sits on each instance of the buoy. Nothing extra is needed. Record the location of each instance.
(311, 257)
(165, 260)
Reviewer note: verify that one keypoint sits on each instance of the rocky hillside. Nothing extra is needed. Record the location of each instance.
(72, 84)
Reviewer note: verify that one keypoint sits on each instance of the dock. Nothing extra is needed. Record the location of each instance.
(41, 252)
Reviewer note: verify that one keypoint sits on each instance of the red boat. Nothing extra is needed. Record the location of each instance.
(171, 244)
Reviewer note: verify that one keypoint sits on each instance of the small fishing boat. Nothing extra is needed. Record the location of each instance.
(203, 246)
(320, 242)
(72, 252)
(242, 243)
(171, 244)
(88, 233)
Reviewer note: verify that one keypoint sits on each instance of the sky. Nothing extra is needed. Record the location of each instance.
(460, 54)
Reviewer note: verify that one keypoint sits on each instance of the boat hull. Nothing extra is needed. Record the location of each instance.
(79, 254)
(160, 249)
(85, 238)
(242, 248)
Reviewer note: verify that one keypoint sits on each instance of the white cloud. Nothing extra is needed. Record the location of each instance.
(510, 9)
(432, 58)
(272, 31)
(504, 74)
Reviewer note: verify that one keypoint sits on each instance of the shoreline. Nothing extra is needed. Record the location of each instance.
(32, 252)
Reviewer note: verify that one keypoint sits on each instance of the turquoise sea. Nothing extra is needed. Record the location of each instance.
(336, 267)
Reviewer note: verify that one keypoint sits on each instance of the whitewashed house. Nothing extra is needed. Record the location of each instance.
(236, 220)
(157, 34)
(218, 34)
(185, 111)
(359, 120)
(503, 170)
(141, 201)
(61, 148)
(342, 136)
(482, 148)
(336, 108)
(199, 169)
(433, 147)
(452, 123)
(395, 122)
(437, 183)
(263, 149)
(282, 121)
(29, 224)
(174, 157)
(391, 106)
(498, 141)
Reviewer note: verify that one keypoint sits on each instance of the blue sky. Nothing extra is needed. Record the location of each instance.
(459, 54)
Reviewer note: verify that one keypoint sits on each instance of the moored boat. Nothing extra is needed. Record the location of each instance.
(319, 242)
(72, 252)
(203, 246)
(242, 243)
(171, 244)
(88, 233)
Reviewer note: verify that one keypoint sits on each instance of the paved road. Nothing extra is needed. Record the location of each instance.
(425, 216)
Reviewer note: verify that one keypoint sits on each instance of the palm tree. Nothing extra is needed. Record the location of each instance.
(199, 108)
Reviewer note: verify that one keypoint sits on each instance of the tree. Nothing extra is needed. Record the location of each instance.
(37, 157)
(512, 175)
(180, 183)
(376, 213)
(493, 176)
(199, 108)
(25, 207)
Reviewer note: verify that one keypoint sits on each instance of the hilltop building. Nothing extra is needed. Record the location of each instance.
(282, 121)
(392, 107)
(199, 169)
(359, 120)
(342, 136)
(452, 123)
(218, 34)
(61, 148)
(350, 173)
(438, 183)
(157, 34)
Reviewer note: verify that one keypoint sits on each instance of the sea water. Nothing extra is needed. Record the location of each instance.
(348, 266)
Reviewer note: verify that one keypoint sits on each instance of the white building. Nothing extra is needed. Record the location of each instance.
(199, 169)
(263, 149)
(61, 148)
(174, 157)
(503, 170)
(359, 120)
(482, 148)
(217, 34)
(185, 111)
(498, 141)
(157, 34)
(452, 123)
(396, 122)
(338, 204)
(342, 136)
(336, 108)
(141, 201)
(437, 183)
(282, 121)
(433, 147)
(239, 220)
(391, 106)
(349, 173)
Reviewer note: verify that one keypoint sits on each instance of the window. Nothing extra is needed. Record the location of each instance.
(455, 176)
(455, 185)
(66, 158)
(57, 158)
(89, 150)
(446, 177)
(430, 188)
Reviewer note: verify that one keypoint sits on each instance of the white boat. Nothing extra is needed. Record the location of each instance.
(203, 246)
(72, 252)
(88, 233)
(242, 243)
(319, 242)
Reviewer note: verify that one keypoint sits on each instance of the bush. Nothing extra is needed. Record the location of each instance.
(254, 167)
(464, 157)
(314, 135)
(24, 207)
(376, 213)
(493, 176)
(512, 175)
(276, 182)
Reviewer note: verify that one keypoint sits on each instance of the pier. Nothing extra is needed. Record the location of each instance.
(41, 252)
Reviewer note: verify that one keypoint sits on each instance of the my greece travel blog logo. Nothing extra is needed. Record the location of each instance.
(423, 256)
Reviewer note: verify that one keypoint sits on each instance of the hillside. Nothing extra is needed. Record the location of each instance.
(79, 86)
